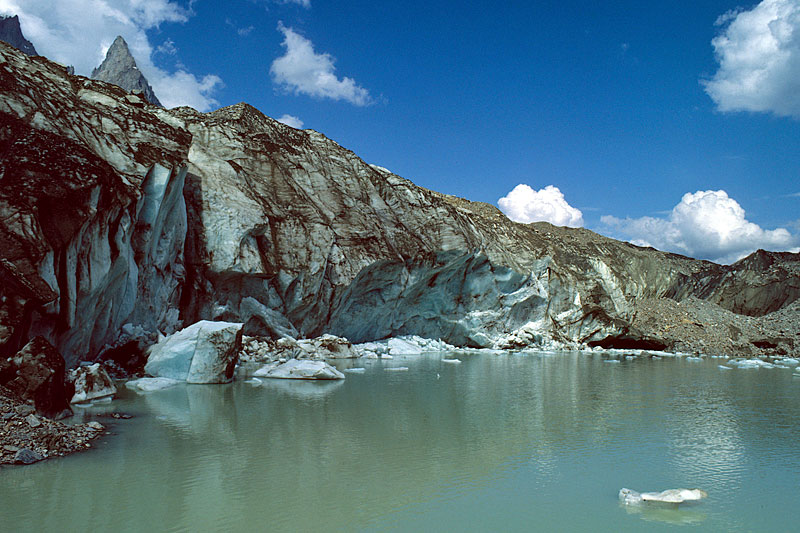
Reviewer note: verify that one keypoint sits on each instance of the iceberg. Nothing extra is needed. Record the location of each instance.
(631, 497)
(303, 369)
(205, 352)
(151, 384)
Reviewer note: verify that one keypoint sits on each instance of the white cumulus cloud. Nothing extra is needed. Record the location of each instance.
(759, 59)
(79, 32)
(523, 204)
(303, 71)
(706, 225)
(291, 120)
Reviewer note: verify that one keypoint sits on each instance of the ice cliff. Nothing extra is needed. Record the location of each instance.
(121, 220)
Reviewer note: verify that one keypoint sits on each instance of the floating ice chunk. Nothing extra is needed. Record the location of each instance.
(398, 346)
(204, 352)
(150, 384)
(304, 369)
(396, 369)
(790, 361)
(451, 361)
(630, 357)
(255, 382)
(631, 497)
(723, 367)
(751, 363)
(694, 359)
(611, 361)
(359, 370)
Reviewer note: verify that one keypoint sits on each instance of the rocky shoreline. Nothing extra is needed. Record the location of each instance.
(26, 438)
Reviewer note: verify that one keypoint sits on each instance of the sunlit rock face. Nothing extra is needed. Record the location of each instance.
(116, 213)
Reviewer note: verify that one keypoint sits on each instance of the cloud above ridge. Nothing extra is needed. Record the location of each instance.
(706, 225)
(301, 70)
(524, 204)
(758, 52)
(79, 32)
(291, 120)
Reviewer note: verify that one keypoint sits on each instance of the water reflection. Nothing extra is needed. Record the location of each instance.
(682, 515)
(494, 440)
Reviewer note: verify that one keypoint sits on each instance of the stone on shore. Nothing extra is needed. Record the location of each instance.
(205, 352)
(26, 456)
(91, 383)
(304, 369)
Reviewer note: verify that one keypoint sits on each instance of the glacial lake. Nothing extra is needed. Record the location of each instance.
(512, 442)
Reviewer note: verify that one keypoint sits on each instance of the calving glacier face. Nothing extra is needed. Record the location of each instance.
(465, 300)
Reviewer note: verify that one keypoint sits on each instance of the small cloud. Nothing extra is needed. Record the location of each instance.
(523, 204)
(241, 31)
(758, 52)
(301, 70)
(705, 224)
(291, 120)
(305, 3)
(167, 48)
(624, 47)
(184, 88)
(793, 195)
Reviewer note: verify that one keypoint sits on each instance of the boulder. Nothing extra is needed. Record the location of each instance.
(91, 383)
(304, 369)
(36, 373)
(26, 456)
(205, 352)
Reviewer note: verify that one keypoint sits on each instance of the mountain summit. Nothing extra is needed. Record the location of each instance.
(120, 68)
(11, 33)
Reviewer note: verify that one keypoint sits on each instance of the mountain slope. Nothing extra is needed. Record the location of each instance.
(179, 215)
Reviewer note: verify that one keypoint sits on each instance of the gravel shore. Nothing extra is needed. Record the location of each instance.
(26, 437)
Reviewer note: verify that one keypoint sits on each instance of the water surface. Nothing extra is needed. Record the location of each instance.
(514, 442)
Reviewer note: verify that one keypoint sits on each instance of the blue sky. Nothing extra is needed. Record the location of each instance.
(603, 101)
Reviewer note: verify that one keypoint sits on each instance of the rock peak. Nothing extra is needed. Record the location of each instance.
(119, 67)
(11, 33)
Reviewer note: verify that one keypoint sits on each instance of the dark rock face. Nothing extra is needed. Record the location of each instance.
(120, 68)
(177, 216)
(37, 373)
(11, 33)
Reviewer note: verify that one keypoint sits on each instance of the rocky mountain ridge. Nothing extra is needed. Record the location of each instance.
(122, 221)
(120, 68)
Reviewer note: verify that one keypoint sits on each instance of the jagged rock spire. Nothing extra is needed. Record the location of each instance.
(120, 68)
(11, 33)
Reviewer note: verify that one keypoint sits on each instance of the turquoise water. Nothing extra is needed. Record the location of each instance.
(515, 442)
